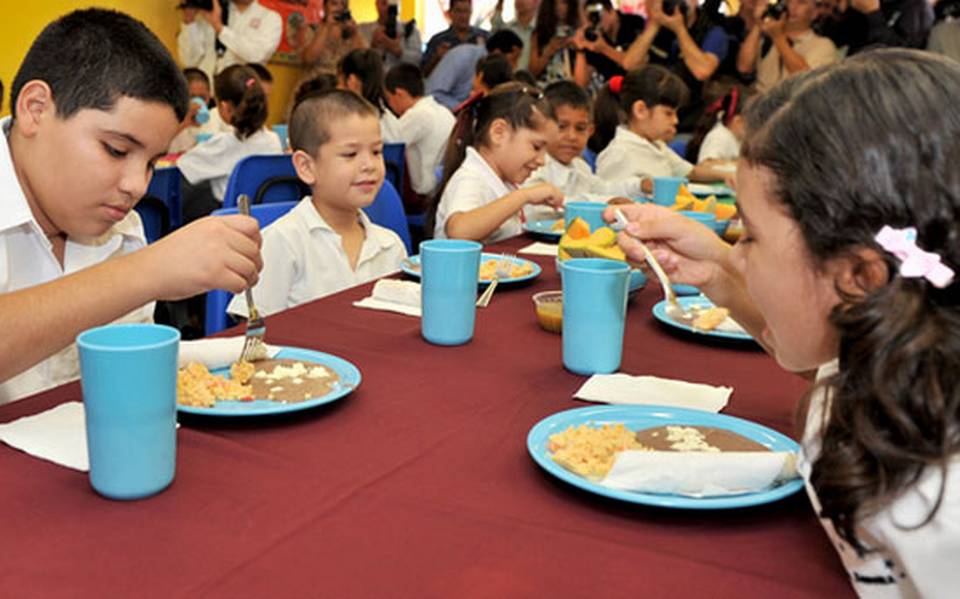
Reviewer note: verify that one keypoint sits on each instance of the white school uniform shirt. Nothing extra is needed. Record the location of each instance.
(578, 184)
(908, 562)
(26, 259)
(187, 138)
(632, 155)
(719, 144)
(251, 35)
(473, 185)
(389, 127)
(425, 128)
(215, 158)
(303, 260)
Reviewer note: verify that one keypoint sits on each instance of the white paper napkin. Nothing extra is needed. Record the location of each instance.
(539, 249)
(393, 295)
(215, 353)
(699, 473)
(58, 435)
(622, 388)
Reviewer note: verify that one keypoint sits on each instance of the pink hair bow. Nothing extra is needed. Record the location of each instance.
(914, 262)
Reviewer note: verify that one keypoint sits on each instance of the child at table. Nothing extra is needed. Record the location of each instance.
(873, 252)
(192, 128)
(717, 138)
(206, 168)
(497, 142)
(647, 99)
(326, 243)
(94, 104)
(565, 167)
(361, 71)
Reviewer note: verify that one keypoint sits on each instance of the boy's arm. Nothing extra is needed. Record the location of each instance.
(212, 253)
(637, 54)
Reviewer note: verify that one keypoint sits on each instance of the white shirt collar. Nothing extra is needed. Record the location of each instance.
(315, 222)
(625, 134)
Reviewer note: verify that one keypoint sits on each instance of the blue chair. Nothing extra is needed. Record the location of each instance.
(165, 186)
(155, 216)
(387, 211)
(265, 178)
(216, 318)
(591, 158)
(394, 160)
(679, 144)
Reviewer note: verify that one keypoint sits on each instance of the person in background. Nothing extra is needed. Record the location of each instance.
(796, 48)
(326, 243)
(524, 76)
(264, 76)
(398, 42)
(491, 71)
(361, 72)
(334, 38)
(551, 52)
(602, 42)
(720, 131)
(452, 81)
(207, 167)
(459, 32)
(646, 102)
(93, 105)
(497, 143)
(200, 122)
(525, 15)
(424, 128)
(945, 35)
(212, 40)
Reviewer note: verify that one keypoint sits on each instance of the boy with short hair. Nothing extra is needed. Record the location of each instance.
(94, 104)
(326, 243)
(424, 125)
(565, 168)
(198, 86)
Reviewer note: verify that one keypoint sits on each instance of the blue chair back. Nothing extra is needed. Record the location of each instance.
(591, 158)
(165, 186)
(679, 144)
(387, 211)
(394, 160)
(265, 178)
(155, 216)
(216, 311)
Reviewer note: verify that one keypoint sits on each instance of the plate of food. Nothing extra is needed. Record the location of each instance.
(579, 447)
(551, 228)
(294, 379)
(711, 320)
(521, 270)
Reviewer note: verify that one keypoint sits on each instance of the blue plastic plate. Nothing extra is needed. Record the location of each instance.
(642, 417)
(660, 313)
(405, 266)
(543, 228)
(349, 380)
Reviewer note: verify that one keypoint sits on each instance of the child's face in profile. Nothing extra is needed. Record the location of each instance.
(348, 170)
(574, 128)
(772, 257)
(85, 173)
(656, 124)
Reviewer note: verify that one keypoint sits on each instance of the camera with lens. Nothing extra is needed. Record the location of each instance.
(390, 28)
(594, 12)
(343, 17)
(198, 4)
(776, 10)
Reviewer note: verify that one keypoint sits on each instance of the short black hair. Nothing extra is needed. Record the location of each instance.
(504, 41)
(194, 74)
(263, 73)
(494, 69)
(405, 76)
(567, 93)
(91, 58)
(525, 76)
(310, 118)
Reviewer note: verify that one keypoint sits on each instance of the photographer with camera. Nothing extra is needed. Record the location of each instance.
(398, 42)
(551, 52)
(795, 47)
(602, 42)
(335, 37)
(215, 34)
(459, 32)
(856, 25)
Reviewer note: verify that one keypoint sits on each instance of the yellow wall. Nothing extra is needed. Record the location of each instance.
(20, 26)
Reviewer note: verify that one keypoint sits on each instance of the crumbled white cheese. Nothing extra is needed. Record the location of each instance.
(685, 438)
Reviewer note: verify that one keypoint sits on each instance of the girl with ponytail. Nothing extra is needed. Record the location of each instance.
(720, 131)
(206, 168)
(850, 265)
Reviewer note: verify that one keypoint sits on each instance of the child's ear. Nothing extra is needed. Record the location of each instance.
(639, 111)
(861, 272)
(33, 103)
(500, 131)
(305, 166)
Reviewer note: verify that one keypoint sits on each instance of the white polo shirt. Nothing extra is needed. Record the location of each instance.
(908, 561)
(214, 159)
(251, 35)
(719, 144)
(26, 259)
(425, 128)
(632, 155)
(578, 184)
(303, 260)
(475, 184)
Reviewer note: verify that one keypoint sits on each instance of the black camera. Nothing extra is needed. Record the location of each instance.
(198, 4)
(343, 17)
(391, 26)
(776, 10)
(594, 12)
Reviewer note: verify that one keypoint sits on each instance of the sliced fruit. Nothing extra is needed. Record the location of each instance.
(578, 229)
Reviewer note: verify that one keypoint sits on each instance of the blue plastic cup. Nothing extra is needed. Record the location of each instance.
(449, 274)
(129, 378)
(591, 212)
(707, 219)
(282, 132)
(594, 314)
(665, 189)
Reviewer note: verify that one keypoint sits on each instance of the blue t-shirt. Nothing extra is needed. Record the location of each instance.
(451, 80)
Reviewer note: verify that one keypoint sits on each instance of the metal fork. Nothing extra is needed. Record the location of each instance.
(253, 347)
(504, 270)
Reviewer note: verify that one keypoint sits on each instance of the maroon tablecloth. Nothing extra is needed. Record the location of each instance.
(416, 485)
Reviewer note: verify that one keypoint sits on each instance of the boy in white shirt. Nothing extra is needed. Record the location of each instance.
(198, 85)
(425, 125)
(247, 32)
(327, 243)
(565, 167)
(94, 104)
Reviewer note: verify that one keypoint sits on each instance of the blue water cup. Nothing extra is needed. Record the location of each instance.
(203, 113)
(129, 378)
(708, 219)
(665, 189)
(591, 212)
(282, 132)
(594, 314)
(449, 274)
